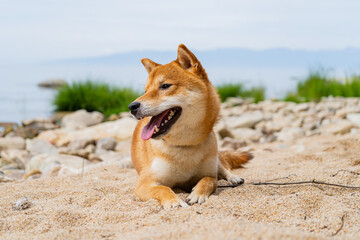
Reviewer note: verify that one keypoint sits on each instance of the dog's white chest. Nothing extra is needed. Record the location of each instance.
(171, 173)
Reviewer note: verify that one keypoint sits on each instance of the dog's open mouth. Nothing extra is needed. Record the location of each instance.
(161, 123)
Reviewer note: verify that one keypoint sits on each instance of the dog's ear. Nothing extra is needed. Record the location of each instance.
(149, 65)
(188, 61)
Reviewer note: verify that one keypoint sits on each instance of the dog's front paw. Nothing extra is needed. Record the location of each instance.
(194, 197)
(233, 179)
(175, 203)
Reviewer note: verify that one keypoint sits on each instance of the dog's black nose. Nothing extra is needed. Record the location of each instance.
(133, 107)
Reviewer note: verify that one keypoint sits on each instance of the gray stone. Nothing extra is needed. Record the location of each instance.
(108, 143)
(38, 146)
(4, 178)
(354, 118)
(222, 130)
(246, 120)
(53, 83)
(85, 152)
(123, 146)
(22, 204)
(234, 101)
(110, 156)
(77, 144)
(268, 139)
(120, 130)
(231, 144)
(290, 134)
(15, 174)
(56, 164)
(33, 127)
(338, 127)
(246, 134)
(16, 156)
(81, 119)
(301, 107)
(12, 143)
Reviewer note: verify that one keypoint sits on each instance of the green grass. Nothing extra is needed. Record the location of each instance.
(94, 96)
(238, 90)
(318, 85)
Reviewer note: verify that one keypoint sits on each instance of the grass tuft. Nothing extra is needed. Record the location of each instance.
(238, 90)
(318, 85)
(94, 96)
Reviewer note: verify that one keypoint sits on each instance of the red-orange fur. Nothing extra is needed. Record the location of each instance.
(234, 160)
(186, 156)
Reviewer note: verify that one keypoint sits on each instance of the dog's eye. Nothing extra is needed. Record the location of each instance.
(165, 86)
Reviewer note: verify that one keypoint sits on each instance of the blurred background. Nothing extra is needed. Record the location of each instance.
(261, 45)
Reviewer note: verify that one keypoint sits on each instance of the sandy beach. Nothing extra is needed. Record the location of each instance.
(100, 204)
(81, 188)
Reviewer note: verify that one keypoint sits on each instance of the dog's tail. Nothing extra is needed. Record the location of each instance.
(233, 159)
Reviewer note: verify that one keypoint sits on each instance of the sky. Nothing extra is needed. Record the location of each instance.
(42, 30)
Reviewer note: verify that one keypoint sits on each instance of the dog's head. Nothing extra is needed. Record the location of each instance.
(179, 98)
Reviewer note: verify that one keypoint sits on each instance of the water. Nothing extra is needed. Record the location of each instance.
(21, 98)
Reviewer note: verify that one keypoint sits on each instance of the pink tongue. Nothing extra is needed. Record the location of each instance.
(149, 129)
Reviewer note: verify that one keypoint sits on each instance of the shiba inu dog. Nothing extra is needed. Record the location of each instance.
(174, 144)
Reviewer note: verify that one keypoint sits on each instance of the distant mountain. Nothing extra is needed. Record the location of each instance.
(279, 57)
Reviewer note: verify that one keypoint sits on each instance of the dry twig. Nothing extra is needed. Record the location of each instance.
(341, 226)
(293, 183)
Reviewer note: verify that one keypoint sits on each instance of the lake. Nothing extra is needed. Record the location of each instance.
(21, 98)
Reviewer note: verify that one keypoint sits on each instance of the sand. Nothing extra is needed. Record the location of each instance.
(100, 204)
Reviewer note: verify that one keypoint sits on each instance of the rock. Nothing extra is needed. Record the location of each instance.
(355, 131)
(5, 165)
(338, 127)
(12, 143)
(301, 107)
(342, 113)
(22, 204)
(16, 156)
(31, 128)
(309, 126)
(94, 158)
(85, 153)
(110, 156)
(4, 178)
(56, 164)
(231, 144)
(7, 128)
(272, 106)
(290, 134)
(81, 119)
(38, 146)
(246, 120)
(299, 148)
(120, 130)
(245, 134)
(123, 147)
(126, 162)
(77, 144)
(125, 115)
(314, 132)
(234, 101)
(108, 143)
(354, 118)
(267, 139)
(113, 117)
(222, 130)
(26, 132)
(59, 115)
(275, 125)
(52, 83)
(82, 152)
(15, 174)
